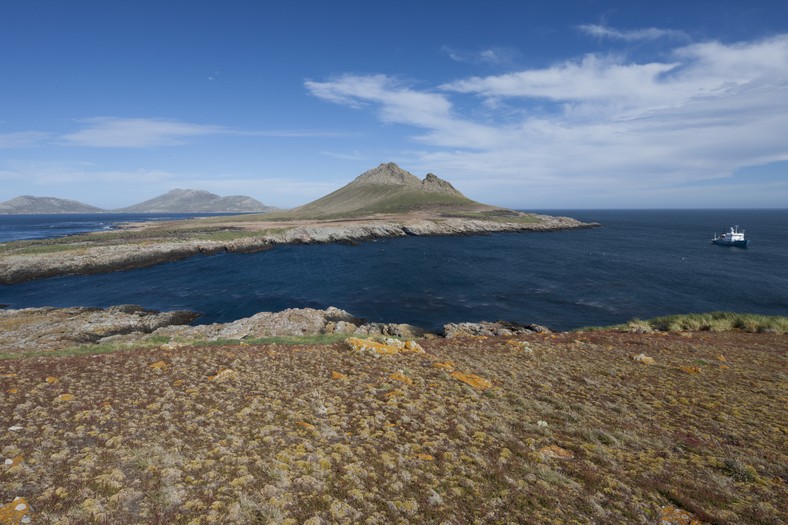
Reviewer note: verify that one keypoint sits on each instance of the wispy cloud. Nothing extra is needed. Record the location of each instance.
(631, 35)
(114, 132)
(597, 123)
(496, 56)
(398, 103)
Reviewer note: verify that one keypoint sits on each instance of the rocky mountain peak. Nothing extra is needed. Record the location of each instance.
(388, 173)
(435, 184)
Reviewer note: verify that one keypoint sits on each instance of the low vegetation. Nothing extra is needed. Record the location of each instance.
(544, 428)
(713, 321)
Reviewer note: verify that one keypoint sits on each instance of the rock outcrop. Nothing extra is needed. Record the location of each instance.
(36, 329)
(52, 328)
(490, 329)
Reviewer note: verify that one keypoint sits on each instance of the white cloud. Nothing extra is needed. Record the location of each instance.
(399, 104)
(600, 123)
(649, 33)
(113, 132)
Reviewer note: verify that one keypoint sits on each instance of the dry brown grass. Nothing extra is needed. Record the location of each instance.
(571, 430)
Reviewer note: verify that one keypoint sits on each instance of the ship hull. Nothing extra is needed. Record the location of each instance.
(735, 244)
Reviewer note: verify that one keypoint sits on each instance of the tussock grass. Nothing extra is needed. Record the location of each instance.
(712, 322)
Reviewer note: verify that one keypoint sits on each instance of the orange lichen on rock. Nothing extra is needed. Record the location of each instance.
(643, 358)
(473, 380)
(425, 457)
(556, 452)
(338, 375)
(447, 365)
(158, 365)
(399, 376)
(673, 516)
(388, 347)
(65, 397)
(691, 369)
(14, 461)
(15, 512)
(224, 375)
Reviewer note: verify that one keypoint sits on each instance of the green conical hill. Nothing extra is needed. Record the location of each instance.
(389, 189)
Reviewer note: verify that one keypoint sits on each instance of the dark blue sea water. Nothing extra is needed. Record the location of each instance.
(640, 264)
(41, 226)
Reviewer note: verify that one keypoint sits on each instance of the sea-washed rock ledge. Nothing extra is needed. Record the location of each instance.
(20, 267)
(47, 328)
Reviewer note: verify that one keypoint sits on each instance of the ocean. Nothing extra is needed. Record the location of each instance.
(640, 264)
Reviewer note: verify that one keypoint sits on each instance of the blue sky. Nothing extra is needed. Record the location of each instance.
(577, 104)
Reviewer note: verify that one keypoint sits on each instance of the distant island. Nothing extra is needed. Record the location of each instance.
(383, 202)
(174, 201)
(28, 204)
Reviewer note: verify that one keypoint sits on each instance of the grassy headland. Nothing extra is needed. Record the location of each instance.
(384, 202)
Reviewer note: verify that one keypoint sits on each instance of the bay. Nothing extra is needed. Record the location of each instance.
(640, 264)
(15, 227)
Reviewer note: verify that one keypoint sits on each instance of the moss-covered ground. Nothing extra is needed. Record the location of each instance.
(544, 428)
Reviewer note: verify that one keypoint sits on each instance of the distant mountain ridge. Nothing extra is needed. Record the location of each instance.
(389, 189)
(196, 201)
(174, 201)
(32, 205)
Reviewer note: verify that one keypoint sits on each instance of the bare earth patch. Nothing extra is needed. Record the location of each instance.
(567, 428)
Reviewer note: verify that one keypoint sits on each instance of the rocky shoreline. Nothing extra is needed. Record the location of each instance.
(48, 329)
(18, 265)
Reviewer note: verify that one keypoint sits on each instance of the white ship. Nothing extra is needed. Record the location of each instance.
(731, 238)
